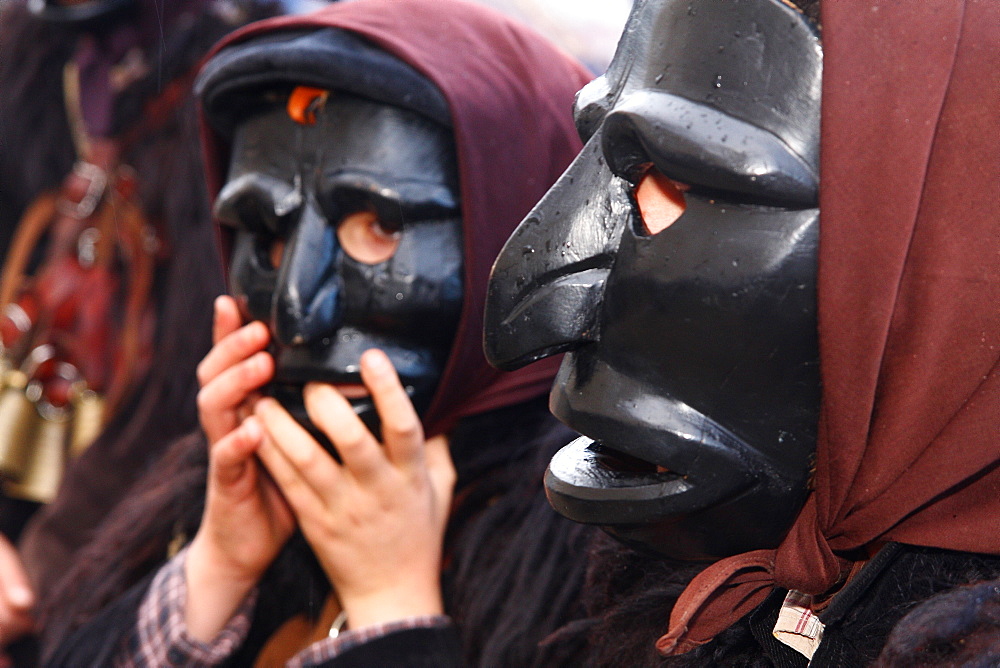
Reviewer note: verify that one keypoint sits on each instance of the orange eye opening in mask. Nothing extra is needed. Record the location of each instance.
(304, 102)
(661, 200)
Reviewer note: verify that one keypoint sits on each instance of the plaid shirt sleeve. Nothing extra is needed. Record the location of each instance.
(330, 648)
(797, 625)
(160, 637)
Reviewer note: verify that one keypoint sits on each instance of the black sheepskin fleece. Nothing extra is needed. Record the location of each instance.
(514, 568)
(939, 618)
(960, 627)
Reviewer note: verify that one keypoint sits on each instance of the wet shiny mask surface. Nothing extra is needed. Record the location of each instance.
(384, 176)
(693, 358)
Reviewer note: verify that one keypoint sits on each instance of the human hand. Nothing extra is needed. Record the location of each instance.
(16, 597)
(376, 522)
(233, 371)
(246, 521)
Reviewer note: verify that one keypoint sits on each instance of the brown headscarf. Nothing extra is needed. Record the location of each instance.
(909, 306)
(503, 84)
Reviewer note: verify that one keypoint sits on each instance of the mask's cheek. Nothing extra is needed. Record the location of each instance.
(416, 295)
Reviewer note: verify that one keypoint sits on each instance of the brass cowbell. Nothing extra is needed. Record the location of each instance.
(88, 418)
(44, 471)
(18, 421)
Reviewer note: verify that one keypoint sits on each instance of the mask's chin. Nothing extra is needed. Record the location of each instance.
(418, 371)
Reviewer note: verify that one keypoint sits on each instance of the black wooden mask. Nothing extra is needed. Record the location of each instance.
(692, 363)
(292, 189)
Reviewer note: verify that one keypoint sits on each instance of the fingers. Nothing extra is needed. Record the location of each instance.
(16, 595)
(220, 400)
(401, 428)
(226, 318)
(231, 455)
(333, 414)
(361, 454)
(14, 582)
(231, 349)
(297, 463)
(232, 386)
(232, 370)
(441, 470)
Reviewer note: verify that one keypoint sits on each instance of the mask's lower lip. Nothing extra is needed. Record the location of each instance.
(593, 483)
(593, 472)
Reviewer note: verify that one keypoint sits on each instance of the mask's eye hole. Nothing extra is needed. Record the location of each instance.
(275, 251)
(366, 238)
(660, 200)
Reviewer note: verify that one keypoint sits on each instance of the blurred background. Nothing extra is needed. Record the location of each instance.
(589, 29)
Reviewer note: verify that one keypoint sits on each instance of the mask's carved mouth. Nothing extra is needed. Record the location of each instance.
(296, 366)
(594, 483)
(352, 391)
(622, 463)
(287, 388)
(289, 392)
(289, 395)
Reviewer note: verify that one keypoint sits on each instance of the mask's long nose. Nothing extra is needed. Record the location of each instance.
(307, 296)
(548, 281)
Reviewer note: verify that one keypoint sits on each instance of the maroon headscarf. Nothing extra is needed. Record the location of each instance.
(909, 306)
(510, 93)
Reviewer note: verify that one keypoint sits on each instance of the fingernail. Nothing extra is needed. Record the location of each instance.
(314, 388)
(257, 330)
(375, 359)
(262, 405)
(252, 429)
(20, 597)
(260, 360)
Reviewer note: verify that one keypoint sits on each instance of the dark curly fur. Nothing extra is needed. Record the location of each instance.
(133, 540)
(960, 627)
